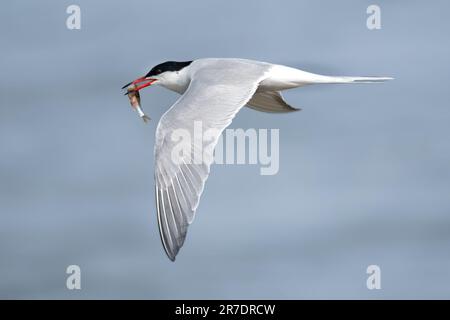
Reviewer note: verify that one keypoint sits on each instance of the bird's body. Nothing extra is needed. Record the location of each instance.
(277, 77)
(213, 91)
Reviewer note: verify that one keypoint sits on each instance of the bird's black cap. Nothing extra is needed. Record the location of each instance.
(167, 66)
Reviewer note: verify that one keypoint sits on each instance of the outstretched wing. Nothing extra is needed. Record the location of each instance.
(217, 91)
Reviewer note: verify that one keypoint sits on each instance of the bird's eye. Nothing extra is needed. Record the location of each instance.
(159, 71)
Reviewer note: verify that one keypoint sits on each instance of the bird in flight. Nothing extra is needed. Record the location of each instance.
(213, 91)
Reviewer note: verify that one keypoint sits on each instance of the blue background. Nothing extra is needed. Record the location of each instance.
(364, 169)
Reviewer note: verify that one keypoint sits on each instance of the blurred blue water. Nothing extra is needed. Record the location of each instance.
(364, 170)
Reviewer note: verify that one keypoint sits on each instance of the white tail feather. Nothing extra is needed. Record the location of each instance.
(358, 79)
(282, 78)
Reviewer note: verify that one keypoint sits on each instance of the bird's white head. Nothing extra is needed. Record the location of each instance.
(172, 75)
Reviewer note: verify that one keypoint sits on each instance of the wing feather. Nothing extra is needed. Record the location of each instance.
(219, 88)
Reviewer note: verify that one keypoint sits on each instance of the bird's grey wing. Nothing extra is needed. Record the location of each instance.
(218, 90)
(270, 101)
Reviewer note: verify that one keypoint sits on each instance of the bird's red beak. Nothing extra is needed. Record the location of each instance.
(141, 83)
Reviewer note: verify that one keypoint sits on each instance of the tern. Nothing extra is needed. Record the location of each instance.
(213, 91)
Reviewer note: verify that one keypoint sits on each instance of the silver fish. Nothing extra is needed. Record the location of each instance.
(135, 101)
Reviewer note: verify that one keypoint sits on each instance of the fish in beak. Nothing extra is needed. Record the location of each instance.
(135, 98)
